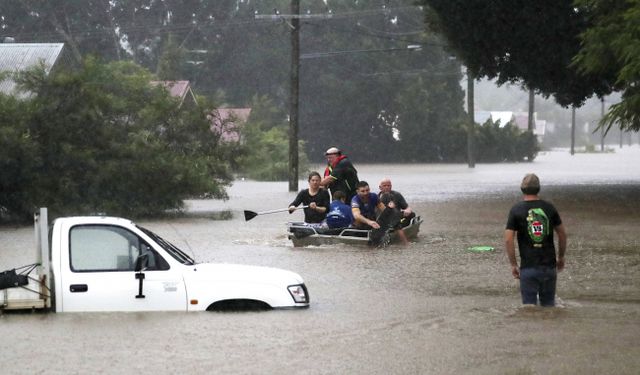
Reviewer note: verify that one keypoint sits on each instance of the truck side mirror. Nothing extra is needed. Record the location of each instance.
(142, 262)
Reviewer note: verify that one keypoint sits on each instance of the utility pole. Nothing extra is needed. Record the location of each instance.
(472, 121)
(602, 128)
(621, 134)
(295, 93)
(573, 129)
(294, 86)
(531, 121)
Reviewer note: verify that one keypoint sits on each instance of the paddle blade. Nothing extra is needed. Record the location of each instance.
(248, 215)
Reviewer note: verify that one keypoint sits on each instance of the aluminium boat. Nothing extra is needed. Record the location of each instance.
(303, 234)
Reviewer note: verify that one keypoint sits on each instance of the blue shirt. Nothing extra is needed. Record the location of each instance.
(339, 215)
(367, 209)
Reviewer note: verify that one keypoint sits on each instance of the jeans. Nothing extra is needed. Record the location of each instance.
(538, 282)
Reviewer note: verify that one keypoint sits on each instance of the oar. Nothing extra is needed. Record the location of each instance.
(248, 215)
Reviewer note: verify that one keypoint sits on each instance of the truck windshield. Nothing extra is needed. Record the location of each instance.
(173, 250)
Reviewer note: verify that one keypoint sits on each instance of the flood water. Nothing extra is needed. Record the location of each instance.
(430, 308)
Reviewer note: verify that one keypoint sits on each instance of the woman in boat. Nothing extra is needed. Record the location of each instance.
(316, 199)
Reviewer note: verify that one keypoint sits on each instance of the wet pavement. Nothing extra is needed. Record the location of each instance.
(430, 308)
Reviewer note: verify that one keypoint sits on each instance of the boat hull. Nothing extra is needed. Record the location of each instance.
(302, 234)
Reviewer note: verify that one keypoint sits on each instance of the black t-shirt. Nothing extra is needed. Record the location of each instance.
(321, 199)
(396, 197)
(534, 222)
(345, 178)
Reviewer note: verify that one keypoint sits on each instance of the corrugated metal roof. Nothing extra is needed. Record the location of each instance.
(15, 57)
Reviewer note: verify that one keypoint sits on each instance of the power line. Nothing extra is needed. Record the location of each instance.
(186, 27)
(385, 37)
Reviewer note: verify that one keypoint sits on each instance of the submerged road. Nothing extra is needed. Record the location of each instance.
(430, 308)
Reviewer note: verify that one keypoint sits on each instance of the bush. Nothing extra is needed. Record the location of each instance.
(504, 144)
(102, 139)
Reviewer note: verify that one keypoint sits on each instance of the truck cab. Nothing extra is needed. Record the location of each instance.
(111, 264)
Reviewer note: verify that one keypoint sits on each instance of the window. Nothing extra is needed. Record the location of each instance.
(109, 248)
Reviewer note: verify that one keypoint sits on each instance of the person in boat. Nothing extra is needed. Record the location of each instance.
(340, 174)
(364, 205)
(400, 203)
(393, 216)
(315, 198)
(339, 215)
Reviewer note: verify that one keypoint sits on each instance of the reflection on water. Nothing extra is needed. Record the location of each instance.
(431, 308)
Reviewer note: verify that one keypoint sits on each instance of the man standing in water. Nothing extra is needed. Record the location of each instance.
(534, 220)
(340, 174)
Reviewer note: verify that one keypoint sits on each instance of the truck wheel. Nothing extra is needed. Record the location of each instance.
(239, 305)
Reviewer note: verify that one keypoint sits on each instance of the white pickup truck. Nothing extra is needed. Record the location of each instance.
(97, 263)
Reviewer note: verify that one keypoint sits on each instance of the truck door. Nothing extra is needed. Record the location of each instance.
(101, 273)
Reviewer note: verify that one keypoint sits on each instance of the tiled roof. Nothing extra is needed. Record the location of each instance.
(15, 57)
(177, 89)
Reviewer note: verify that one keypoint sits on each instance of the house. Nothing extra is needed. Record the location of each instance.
(504, 117)
(519, 119)
(227, 122)
(481, 117)
(522, 122)
(18, 57)
(178, 89)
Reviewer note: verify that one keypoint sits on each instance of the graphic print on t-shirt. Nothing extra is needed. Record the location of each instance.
(537, 225)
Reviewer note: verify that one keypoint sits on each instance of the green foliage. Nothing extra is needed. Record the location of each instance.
(18, 158)
(102, 139)
(430, 122)
(171, 60)
(266, 144)
(269, 157)
(611, 48)
(342, 96)
(571, 49)
(495, 143)
(530, 42)
(84, 26)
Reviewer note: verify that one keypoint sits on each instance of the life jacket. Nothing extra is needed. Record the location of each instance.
(330, 167)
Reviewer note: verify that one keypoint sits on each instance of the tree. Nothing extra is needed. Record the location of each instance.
(84, 26)
(102, 139)
(171, 61)
(497, 143)
(264, 155)
(345, 100)
(531, 42)
(611, 48)
(18, 157)
(370, 89)
(424, 109)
